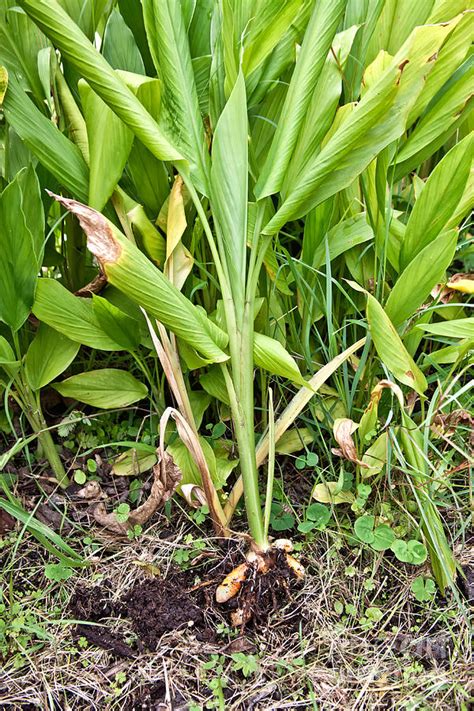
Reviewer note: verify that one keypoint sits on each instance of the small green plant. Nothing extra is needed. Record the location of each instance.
(424, 589)
(58, 572)
(308, 460)
(185, 555)
(317, 517)
(380, 537)
(247, 664)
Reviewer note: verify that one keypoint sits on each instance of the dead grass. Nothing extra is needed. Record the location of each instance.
(310, 655)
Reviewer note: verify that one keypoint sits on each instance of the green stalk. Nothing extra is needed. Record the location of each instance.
(31, 406)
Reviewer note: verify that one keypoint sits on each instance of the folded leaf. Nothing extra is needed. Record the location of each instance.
(390, 348)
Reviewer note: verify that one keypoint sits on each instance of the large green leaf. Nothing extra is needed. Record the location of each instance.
(18, 261)
(229, 186)
(342, 237)
(119, 46)
(54, 151)
(181, 116)
(132, 273)
(267, 27)
(445, 113)
(269, 354)
(48, 355)
(322, 107)
(20, 43)
(415, 283)
(107, 388)
(459, 328)
(317, 41)
(78, 50)
(378, 120)
(121, 328)
(450, 57)
(390, 348)
(71, 315)
(110, 142)
(430, 214)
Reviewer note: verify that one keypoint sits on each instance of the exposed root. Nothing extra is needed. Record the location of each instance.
(257, 585)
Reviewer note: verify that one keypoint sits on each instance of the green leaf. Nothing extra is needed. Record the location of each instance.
(383, 538)
(342, 237)
(229, 178)
(430, 214)
(319, 515)
(322, 108)
(459, 328)
(424, 589)
(132, 273)
(48, 355)
(18, 261)
(107, 388)
(316, 44)
(390, 348)
(364, 528)
(269, 354)
(71, 315)
(377, 120)
(48, 538)
(79, 51)
(266, 29)
(120, 327)
(110, 142)
(416, 282)
(409, 552)
(57, 572)
(181, 116)
(184, 461)
(119, 46)
(443, 116)
(54, 151)
(375, 456)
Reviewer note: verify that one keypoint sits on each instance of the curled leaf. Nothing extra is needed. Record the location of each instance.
(343, 430)
(166, 478)
(462, 282)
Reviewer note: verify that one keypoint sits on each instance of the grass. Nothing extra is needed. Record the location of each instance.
(310, 654)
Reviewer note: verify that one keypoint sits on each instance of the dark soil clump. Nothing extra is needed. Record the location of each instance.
(158, 606)
(93, 604)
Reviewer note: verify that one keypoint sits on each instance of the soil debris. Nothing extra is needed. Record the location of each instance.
(159, 606)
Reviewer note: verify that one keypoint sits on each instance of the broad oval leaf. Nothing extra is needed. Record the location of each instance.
(48, 355)
(107, 388)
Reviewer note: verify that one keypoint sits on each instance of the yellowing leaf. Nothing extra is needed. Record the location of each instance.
(325, 494)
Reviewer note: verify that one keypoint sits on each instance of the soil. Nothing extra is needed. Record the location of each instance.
(466, 583)
(159, 606)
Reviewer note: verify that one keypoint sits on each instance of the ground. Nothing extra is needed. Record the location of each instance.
(139, 629)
